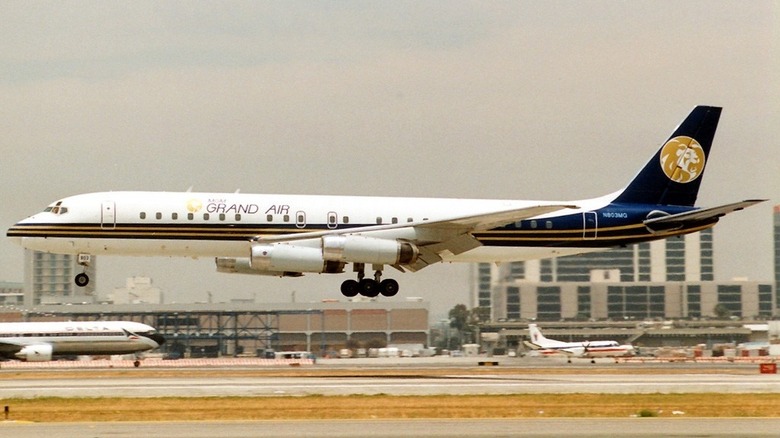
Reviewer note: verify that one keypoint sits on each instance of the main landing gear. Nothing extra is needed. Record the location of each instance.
(82, 279)
(369, 287)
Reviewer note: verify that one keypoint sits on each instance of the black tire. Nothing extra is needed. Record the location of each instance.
(350, 288)
(82, 280)
(369, 287)
(388, 287)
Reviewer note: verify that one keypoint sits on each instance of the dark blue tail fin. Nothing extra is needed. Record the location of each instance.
(673, 175)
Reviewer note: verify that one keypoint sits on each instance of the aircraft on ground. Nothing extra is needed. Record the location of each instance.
(289, 235)
(587, 349)
(41, 341)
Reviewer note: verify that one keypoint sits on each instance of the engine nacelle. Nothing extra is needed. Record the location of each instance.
(242, 265)
(360, 249)
(285, 258)
(35, 353)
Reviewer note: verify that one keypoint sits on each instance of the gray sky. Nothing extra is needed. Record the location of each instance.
(522, 100)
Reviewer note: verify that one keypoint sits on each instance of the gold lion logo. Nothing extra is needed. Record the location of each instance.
(193, 205)
(682, 159)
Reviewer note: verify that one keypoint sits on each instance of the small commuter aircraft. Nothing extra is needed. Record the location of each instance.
(41, 341)
(587, 349)
(289, 235)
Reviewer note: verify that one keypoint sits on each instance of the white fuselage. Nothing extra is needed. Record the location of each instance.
(80, 338)
(220, 225)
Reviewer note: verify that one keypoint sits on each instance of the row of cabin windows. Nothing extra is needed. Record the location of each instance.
(190, 216)
(533, 224)
(301, 218)
(392, 220)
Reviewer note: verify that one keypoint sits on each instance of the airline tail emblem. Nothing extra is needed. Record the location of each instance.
(682, 159)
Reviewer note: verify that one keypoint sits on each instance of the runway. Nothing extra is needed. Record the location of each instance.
(338, 378)
(220, 386)
(539, 428)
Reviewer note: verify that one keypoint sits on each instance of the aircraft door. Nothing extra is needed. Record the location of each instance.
(589, 225)
(108, 215)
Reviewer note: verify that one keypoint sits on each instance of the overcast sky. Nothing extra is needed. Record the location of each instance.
(519, 100)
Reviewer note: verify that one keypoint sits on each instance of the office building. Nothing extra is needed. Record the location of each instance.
(684, 258)
(48, 279)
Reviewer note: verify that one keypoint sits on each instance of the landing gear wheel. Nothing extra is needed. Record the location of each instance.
(388, 287)
(82, 280)
(369, 287)
(137, 363)
(350, 288)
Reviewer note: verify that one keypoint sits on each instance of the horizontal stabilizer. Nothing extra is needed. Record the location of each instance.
(701, 215)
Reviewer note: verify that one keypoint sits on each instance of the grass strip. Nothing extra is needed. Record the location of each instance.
(385, 406)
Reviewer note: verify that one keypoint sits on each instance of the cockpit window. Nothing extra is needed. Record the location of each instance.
(56, 208)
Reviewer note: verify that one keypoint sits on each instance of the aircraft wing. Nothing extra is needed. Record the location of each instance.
(432, 237)
(574, 351)
(701, 215)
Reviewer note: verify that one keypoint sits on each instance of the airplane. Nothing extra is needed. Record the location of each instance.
(289, 235)
(42, 341)
(587, 349)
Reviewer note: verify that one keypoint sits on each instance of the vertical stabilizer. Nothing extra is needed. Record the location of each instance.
(674, 174)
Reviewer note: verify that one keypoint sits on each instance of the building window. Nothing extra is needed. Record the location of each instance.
(583, 302)
(693, 296)
(730, 296)
(548, 303)
(513, 303)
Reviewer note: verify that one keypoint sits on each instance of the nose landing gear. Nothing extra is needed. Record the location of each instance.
(82, 279)
(369, 287)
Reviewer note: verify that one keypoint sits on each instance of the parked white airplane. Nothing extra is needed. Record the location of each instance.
(288, 235)
(40, 341)
(587, 349)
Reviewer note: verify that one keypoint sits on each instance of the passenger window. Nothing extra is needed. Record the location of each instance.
(269, 218)
(287, 218)
(395, 220)
(533, 224)
(345, 219)
(205, 216)
(548, 224)
(190, 216)
(409, 219)
(222, 216)
(238, 217)
(143, 215)
(158, 215)
(378, 220)
(175, 216)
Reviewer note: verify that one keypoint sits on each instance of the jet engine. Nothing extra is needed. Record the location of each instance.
(328, 255)
(360, 249)
(35, 353)
(287, 259)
